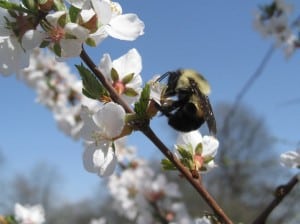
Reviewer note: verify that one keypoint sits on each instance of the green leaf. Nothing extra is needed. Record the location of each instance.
(73, 13)
(199, 149)
(185, 154)
(187, 163)
(10, 220)
(127, 78)
(141, 106)
(87, 94)
(44, 44)
(30, 4)
(90, 42)
(42, 2)
(114, 75)
(207, 159)
(59, 5)
(13, 6)
(92, 88)
(167, 165)
(57, 49)
(130, 92)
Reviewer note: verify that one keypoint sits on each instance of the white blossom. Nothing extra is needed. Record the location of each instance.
(130, 63)
(156, 89)
(98, 221)
(29, 214)
(202, 161)
(58, 89)
(273, 21)
(99, 129)
(291, 159)
(137, 186)
(203, 220)
(104, 125)
(112, 22)
(100, 159)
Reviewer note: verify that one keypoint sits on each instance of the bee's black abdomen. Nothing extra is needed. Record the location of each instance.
(185, 124)
(186, 119)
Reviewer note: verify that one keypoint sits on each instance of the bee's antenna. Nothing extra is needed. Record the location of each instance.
(163, 76)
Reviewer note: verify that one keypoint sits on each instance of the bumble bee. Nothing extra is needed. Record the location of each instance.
(185, 102)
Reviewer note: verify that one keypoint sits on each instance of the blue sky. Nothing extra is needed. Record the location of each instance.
(216, 38)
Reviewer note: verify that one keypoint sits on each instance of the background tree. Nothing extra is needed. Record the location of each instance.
(39, 186)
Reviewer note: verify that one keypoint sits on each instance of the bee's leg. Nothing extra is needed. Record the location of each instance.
(167, 109)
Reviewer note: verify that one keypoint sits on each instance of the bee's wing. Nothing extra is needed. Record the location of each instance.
(207, 111)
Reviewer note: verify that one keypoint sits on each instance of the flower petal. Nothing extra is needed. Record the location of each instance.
(135, 83)
(87, 14)
(111, 119)
(70, 48)
(128, 63)
(125, 27)
(87, 158)
(210, 146)
(32, 39)
(99, 35)
(106, 66)
(88, 124)
(12, 57)
(54, 17)
(105, 161)
(192, 138)
(79, 32)
(103, 11)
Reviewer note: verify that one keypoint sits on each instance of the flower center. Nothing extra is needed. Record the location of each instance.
(115, 8)
(119, 87)
(56, 34)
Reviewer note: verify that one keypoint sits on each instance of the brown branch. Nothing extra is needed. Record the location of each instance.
(158, 212)
(147, 131)
(280, 193)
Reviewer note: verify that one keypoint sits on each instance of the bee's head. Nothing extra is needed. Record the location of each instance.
(172, 82)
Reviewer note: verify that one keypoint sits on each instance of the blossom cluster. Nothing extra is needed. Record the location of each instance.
(29, 214)
(135, 188)
(105, 123)
(291, 159)
(57, 89)
(142, 196)
(273, 20)
(83, 109)
(62, 27)
(36, 215)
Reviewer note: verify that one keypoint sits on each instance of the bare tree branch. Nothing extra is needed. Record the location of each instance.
(257, 73)
(280, 193)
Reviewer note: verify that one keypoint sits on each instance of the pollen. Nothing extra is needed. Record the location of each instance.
(115, 8)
